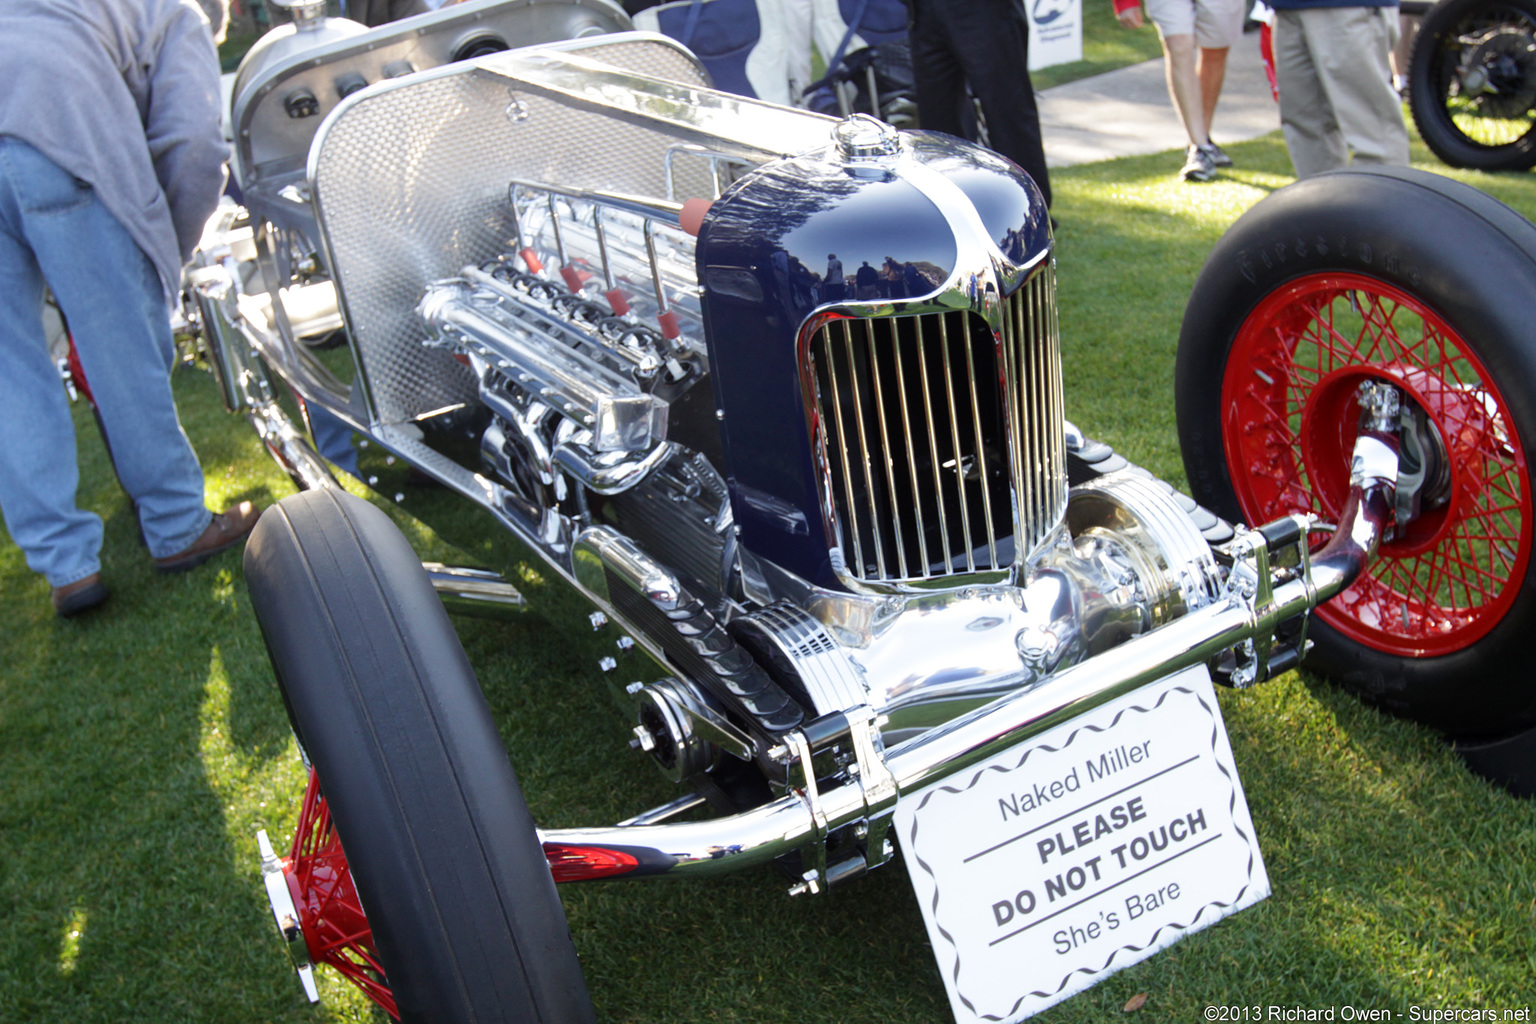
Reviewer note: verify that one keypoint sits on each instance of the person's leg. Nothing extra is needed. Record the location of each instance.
(1355, 72)
(1218, 27)
(1211, 68)
(38, 471)
(1402, 50)
(1177, 28)
(797, 37)
(1184, 86)
(994, 54)
(333, 438)
(936, 73)
(1306, 116)
(115, 307)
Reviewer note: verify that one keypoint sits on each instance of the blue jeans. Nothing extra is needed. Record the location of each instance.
(333, 438)
(54, 229)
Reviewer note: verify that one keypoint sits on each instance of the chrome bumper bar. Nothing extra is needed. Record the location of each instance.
(1245, 618)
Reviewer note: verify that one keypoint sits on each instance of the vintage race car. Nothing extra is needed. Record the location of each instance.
(780, 397)
(1472, 82)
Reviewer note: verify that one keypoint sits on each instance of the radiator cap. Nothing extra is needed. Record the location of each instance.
(862, 137)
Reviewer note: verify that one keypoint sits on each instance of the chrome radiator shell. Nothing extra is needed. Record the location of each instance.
(940, 438)
(915, 231)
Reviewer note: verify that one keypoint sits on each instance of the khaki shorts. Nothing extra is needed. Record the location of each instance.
(1215, 24)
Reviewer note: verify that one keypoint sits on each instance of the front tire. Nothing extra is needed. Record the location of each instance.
(1396, 275)
(441, 847)
(1472, 83)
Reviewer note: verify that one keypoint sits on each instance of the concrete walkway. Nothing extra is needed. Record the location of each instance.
(1128, 112)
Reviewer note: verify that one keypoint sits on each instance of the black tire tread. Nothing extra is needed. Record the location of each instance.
(444, 853)
(1427, 104)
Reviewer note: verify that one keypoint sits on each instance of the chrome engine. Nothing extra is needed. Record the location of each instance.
(958, 563)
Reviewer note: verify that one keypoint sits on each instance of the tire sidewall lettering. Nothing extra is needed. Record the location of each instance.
(1281, 255)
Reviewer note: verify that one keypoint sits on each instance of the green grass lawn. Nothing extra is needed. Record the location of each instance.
(141, 748)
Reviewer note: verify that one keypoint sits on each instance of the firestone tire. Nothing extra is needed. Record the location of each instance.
(1408, 277)
(443, 852)
(1472, 83)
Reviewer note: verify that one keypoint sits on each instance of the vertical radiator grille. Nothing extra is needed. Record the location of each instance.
(935, 431)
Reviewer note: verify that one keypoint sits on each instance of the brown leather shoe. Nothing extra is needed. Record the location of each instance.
(227, 529)
(79, 596)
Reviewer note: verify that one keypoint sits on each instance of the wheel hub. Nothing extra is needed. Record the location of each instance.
(274, 875)
(1448, 574)
(316, 905)
(1431, 411)
(1500, 72)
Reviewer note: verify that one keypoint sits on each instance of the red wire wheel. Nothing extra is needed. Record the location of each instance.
(1288, 398)
(1385, 274)
(336, 931)
(330, 914)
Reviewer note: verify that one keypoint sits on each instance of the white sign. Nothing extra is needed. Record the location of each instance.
(1083, 851)
(1055, 31)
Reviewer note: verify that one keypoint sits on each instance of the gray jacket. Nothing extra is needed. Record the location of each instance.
(123, 94)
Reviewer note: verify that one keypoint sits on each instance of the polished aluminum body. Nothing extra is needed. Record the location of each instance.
(297, 74)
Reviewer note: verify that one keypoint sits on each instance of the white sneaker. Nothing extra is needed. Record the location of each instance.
(1218, 158)
(1198, 165)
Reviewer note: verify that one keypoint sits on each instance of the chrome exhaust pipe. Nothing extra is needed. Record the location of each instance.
(289, 447)
(232, 350)
(478, 593)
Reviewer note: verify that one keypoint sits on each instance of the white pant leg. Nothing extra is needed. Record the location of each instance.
(1350, 47)
(1306, 116)
(797, 38)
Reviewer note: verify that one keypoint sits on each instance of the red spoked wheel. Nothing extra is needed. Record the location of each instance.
(330, 914)
(463, 920)
(1399, 276)
(335, 929)
(1443, 580)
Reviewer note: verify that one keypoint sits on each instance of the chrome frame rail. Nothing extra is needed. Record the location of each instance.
(235, 349)
(1246, 618)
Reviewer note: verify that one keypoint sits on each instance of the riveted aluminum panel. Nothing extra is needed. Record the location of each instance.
(410, 181)
(335, 56)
